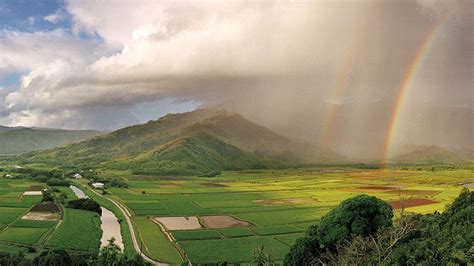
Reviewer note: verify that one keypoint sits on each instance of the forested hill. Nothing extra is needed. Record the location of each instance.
(16, 140)
(192, 143)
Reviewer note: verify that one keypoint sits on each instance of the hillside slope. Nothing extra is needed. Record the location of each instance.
(431, 154)
(21, 139)
(189, 143)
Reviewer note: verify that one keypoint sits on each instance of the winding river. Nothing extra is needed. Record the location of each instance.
(110, 225)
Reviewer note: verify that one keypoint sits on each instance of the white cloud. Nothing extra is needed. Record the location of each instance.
(55, 17)
(145, 51)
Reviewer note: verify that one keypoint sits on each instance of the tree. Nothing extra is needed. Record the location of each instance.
(358, 216)
(361, 215)
(57, 257)
(111, 255)
(47, 196)
(263, 257)
(85, 204)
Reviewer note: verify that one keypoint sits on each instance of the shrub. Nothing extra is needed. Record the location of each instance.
(85, 204)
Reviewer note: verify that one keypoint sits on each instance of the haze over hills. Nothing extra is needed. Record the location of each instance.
(16, 140)
(196, 142)
(432, 154)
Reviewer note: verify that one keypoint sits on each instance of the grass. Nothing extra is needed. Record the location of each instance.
(275, 230)
(8, 215)
(231, 250)
(33, 223)
(21, 235)
(155, 243)
(196, 234)
(236, 232)
(280, 204)
(80, 230)
(289, 239)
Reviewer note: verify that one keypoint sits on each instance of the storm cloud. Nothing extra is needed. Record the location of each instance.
(277, 62)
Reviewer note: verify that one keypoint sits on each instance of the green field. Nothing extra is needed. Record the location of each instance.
(80, 230)
(278, 204)
(17, 234)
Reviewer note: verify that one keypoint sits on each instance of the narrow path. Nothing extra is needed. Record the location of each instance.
(136, 246)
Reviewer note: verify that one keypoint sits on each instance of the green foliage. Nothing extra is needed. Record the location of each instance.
(117, 182)
(12, 259)
(111, 255)
(445, 238)
(263, 257)
(57, 257)
(433, 239)
(361, 215)
(85, 204)
(358, 216)
(48, 196)
(57, 182)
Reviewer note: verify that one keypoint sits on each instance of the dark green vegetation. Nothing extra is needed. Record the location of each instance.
(202, 142)
(85, 204)
(360, 232)
(22, 140)
(109, 255)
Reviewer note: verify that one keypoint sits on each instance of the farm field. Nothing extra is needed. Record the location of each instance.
(79, 231)
(17, 234)
(239, 211)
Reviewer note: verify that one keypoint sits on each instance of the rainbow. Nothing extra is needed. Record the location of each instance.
(344, 72)
(410, 73)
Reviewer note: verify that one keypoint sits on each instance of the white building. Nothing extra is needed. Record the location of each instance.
(77, 176)
(98, 185)
(8, 176)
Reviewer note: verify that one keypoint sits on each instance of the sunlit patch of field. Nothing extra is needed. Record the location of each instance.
(279, 204)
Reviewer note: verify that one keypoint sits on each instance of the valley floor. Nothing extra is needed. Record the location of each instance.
(225, 218)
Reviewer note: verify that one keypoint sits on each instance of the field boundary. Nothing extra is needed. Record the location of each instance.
(132, 231)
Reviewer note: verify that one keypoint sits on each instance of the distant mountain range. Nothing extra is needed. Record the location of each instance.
(432, 154)
(192, 143)
(16, 140)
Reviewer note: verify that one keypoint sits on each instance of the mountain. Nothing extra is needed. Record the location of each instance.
(432, 154)
(192, 143)
(16, 140)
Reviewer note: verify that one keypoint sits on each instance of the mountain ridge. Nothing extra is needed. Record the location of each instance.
(190, 143)
(17, 140)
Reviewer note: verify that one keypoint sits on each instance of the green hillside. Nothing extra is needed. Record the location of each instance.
(430, 154)
(191, 143)
(22, 140)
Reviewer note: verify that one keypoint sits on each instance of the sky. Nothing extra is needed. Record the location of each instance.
(323, 71)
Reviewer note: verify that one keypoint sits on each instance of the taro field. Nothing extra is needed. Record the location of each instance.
(17, 234)
(225, 218)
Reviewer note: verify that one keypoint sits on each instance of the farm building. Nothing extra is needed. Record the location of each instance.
(77, 176)
(98, 185)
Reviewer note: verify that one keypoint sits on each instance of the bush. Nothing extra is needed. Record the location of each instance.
(361, 215)
(360, 232)
(358, 216)
(57, 182)
(85, 204)
(47, 196)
